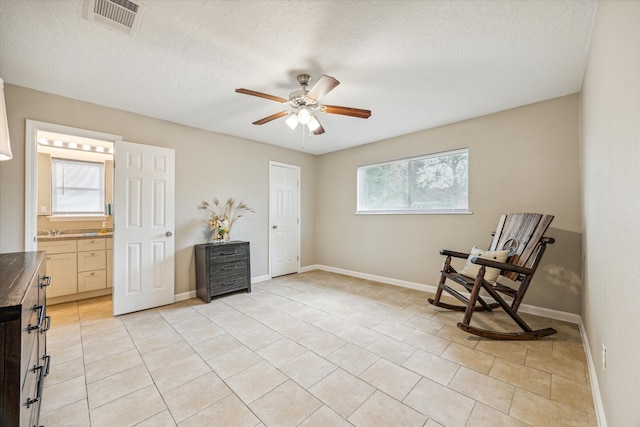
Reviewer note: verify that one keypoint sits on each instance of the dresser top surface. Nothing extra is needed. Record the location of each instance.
(16, 272)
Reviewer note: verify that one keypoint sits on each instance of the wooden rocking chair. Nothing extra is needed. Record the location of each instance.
(515, 252)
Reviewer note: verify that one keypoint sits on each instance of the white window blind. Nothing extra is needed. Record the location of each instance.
(77, 187)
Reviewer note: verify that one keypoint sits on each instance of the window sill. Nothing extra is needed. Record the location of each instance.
(68, 218)
(413, 213)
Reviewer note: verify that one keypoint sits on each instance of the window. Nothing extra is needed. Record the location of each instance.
(77, 187)
(432, 183)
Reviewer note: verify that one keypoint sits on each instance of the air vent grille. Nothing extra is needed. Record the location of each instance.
(124, 15)
(121, 11)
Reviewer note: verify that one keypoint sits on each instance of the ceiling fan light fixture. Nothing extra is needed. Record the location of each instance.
(292, 121)
(313, 123)
(304, 116)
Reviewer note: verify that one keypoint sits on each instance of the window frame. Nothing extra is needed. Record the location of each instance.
(360, 210)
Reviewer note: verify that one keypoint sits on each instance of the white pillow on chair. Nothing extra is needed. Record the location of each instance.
(490, 274)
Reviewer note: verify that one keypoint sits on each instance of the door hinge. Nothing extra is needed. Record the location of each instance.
(298, 220)
(298, 258)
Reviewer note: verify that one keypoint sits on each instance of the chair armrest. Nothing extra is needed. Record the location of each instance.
(453, 253)
(501, 265)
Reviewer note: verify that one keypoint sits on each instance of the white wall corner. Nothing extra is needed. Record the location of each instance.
(593, 378)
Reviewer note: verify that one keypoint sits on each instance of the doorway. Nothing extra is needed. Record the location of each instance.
(284, 219)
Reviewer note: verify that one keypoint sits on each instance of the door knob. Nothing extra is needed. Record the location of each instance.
(274, 226)
(168, 234)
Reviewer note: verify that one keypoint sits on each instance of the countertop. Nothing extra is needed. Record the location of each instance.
(74, 236)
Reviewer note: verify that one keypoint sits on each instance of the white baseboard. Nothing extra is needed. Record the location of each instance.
(184, 296)
(525, 308)
(593, 378)
(259, 279)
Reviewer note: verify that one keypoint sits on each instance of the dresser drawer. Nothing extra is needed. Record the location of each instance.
(228, 283)
(226, 253)
(227, 268)
(92, 244)
(58, 246)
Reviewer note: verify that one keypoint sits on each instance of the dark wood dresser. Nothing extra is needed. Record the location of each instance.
(222, 268)
(23, 343)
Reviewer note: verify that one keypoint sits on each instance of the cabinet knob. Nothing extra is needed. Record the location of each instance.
(168, 234)
(274, 226)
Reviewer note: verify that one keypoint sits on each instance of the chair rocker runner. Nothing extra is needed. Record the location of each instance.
(515, 252)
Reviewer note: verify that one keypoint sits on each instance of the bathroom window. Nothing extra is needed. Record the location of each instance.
(77, 187)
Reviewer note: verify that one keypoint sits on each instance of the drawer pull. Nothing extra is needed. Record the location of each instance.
(230, 267)
(47, 321)
(93, 273)
(47, 364)
(40, 385)
(228, 253)
(45, 281)
(230, 282)
(40, 318)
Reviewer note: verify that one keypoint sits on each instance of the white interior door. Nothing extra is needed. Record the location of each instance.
(144, 219)
(284, 214)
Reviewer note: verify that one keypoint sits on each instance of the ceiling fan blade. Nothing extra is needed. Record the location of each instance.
(271, 117)
(261, 95)
(319, 130)
(347, 111)
(322, 87)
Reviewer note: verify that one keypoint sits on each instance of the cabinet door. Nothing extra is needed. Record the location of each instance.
(92, 280)
(63, 270)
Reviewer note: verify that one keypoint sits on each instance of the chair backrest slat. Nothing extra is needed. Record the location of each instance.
(521, 234)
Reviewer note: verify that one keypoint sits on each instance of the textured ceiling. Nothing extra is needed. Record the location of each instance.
(414, 64)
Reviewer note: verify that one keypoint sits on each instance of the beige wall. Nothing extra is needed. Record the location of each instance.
(521, 160)
(207, 165)
(610, 151)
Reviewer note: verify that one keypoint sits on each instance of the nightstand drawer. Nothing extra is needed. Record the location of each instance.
(220, 285)
(224, 269)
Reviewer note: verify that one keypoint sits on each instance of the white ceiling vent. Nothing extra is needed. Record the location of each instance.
(124, 15)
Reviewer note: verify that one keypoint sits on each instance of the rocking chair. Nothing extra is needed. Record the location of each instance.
(515, 252)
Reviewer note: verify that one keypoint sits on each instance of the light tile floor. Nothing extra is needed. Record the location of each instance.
(310, 349)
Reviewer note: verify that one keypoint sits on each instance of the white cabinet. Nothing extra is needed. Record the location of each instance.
(78, 265)
(92, 265)
(61, 264)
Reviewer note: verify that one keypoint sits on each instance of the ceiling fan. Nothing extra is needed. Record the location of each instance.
(304, 104)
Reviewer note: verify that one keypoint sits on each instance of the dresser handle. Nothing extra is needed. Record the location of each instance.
(40, 385)
(40, 318)
(228, 253)
(230, 282)
(47, 363)
(233, 267)
(47, 321)
(45, 281)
